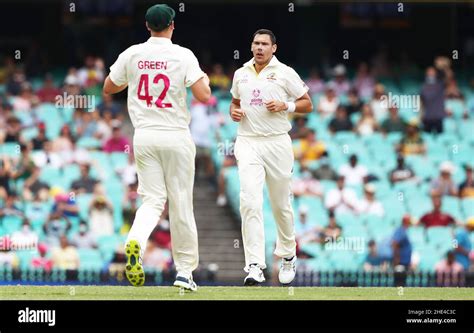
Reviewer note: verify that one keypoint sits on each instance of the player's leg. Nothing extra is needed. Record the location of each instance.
(179, 168)
(252, 177)
(151, 186)
(278, 165)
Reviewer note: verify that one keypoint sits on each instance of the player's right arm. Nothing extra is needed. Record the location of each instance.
(236, 113)
(112, 88)
(201, 90)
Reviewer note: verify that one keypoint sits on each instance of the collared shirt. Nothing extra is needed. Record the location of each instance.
(276, 81)
(157, 73)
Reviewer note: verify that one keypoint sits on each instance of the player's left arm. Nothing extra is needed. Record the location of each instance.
(111, 88)
(302, 105)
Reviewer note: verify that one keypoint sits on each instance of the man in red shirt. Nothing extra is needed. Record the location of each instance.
(436, 218)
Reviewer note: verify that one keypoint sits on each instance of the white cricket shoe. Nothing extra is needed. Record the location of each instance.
(184, 282)
(221, 200)
(287, 270)
(255, 276)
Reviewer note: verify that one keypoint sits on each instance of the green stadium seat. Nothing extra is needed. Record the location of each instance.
(439, 235)
(11, 223)
(467, 206)
(90, 259)
(10, 149)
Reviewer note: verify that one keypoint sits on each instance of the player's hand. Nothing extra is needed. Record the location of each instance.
(237, 114)
(276, 106)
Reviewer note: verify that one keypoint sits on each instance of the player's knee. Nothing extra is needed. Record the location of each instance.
(250, 202)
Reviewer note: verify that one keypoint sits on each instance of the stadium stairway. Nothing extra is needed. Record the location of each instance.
(220, 240)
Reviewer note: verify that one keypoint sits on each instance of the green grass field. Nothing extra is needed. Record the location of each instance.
(230, 293)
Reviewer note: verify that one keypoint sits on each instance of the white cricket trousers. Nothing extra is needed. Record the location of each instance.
(165, 169)
(270, 160)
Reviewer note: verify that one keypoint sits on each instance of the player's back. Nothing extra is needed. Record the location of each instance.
(157, 73)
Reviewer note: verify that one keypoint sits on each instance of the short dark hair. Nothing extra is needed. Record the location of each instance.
(265, 32)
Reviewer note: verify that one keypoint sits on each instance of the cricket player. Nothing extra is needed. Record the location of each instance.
(157, 73)
(264, 91)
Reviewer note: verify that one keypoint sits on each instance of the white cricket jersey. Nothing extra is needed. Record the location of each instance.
(157, 73)
(276, 81)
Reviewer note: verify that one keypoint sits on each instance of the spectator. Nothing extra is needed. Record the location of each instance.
(324, 170)
(401, 246)
(393, 123)
(436, 218)
(299, 128)
(374, 261)
(23, 101)
(47, 157)
(42, 261)
(101, 218)
(305, 184)
(8, 259)
(341, 199)
(5, 175)
(91, 73)
(444, 184)
(33, 186)
(85, 125)
(108, 105)
(328, 103)
(229, 161)
(65, 256)
(378, 104)
(65, 205)
(12, 131)
(314, 82)
(367, 123)
(412, 143)
(340, 83)
(27, 237)
(218, 79)
(354, 104)
(433, 95)
(202, 124)
(464, 247)
(161, 234)
(354, 173)
(332, 231)
(40, 139)
(306, 233)
(364, 82)
(56, 226)
(369, 205)
(402, 172)
(340, 122)
(85, 183)
(310, 149)
(466, 189)
(128, 173)
(24, 166)
(448, 271)
(11, 206)
(48, 92)
(83, 239)
(118, 142)
(63, 143)
(104, 126)
(156, 258)
(129, 208)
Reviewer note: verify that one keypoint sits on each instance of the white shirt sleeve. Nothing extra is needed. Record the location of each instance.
(295, 87)
(118, 71)
(193, 71)
(234, 90)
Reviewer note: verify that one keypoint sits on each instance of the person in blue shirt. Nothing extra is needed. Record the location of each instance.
(401, 245)
(374, 260)
(463, 244)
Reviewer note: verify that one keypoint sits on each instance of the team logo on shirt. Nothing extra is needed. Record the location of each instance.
(256, 101)
(271, 77)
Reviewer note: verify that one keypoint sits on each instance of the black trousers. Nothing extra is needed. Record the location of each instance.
(433, 125)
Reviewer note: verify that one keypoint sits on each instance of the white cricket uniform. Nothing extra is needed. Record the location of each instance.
(157, 73)
(264, 153)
